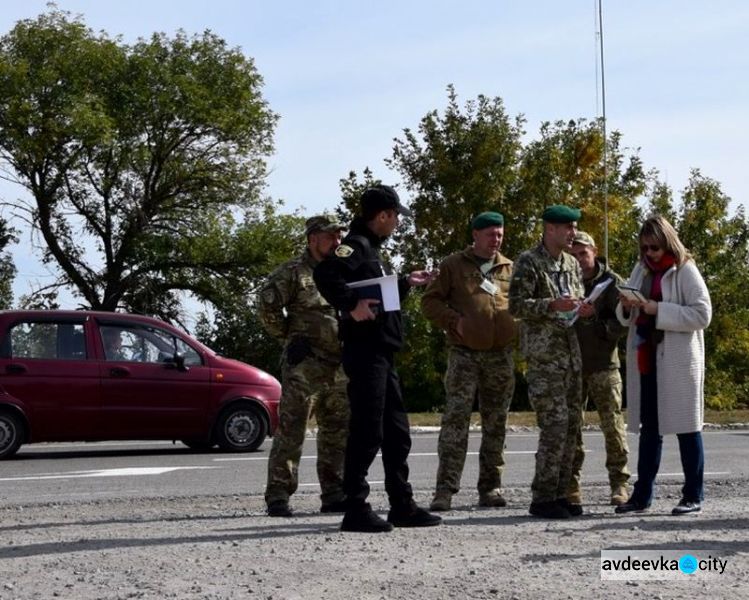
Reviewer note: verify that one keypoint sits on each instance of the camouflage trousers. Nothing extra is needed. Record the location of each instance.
(314, 386)
(492, 375)
(555, 392)
(604, 388)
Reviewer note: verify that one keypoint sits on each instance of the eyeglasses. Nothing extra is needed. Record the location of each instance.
(652, 247)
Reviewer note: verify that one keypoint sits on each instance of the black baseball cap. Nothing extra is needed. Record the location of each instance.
(382, 197)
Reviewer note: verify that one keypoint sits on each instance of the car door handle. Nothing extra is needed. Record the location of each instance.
(15, 369)
(119, 372)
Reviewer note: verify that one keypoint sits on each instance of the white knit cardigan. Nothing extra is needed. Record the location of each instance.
(680, 358)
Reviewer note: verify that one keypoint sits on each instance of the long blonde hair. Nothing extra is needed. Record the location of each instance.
(659, 229)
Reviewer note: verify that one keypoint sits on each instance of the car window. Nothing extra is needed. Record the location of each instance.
(47, 340)
(144, 344)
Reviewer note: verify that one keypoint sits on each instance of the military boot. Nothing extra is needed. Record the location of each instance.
(279, 508)
(492, 498)
(549, 510)
(442, 501)
(619, 495)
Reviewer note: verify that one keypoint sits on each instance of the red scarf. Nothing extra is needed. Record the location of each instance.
(645, 323)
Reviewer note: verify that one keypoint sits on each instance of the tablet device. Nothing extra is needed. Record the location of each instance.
(631, 294)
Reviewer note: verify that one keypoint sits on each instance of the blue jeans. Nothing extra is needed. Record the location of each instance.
(651, 446)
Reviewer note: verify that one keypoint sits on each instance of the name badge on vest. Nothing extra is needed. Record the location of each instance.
(488, 287)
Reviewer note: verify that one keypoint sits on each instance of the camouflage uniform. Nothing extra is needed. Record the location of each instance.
(291, 309)
(479, 360)
(602, 382)
(551, 349)
(492, 373)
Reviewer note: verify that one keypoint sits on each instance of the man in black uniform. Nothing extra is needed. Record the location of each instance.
(370, 337)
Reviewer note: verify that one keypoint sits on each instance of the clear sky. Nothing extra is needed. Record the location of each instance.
(347, 76)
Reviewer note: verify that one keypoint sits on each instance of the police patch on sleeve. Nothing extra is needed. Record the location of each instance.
(344, 251)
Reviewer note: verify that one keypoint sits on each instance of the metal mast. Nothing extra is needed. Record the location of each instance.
(603, 127)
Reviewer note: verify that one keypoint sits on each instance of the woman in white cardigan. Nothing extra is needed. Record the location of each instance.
(666, 362)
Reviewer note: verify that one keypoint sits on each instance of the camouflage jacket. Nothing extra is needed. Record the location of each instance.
(599, 335)
(457, 292)
(537, 280)
(291, 307)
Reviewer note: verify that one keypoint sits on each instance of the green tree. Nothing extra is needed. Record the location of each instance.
(234, 329)
(468, 160)
(140, 160)
(7, 268)
(720, 245)
(456, 165)
(565, 166)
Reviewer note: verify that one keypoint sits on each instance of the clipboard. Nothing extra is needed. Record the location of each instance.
(384, 289)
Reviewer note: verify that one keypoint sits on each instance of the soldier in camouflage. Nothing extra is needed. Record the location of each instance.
(546, 293)
(292, 310)
(602, 382)
(469, 301)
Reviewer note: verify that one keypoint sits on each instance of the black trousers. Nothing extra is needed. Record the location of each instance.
(378, 422)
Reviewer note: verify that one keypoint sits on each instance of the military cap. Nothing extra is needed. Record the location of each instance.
(487, 219)
(322, 223)
(559, 213)
(382, 197)
(584, 239)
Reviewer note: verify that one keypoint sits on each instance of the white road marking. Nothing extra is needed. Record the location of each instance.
(314, 456)
(123, 472)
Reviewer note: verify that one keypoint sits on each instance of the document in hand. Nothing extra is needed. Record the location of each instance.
(631, 294)
(384, 289)
(595, 293)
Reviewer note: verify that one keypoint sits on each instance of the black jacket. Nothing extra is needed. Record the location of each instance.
(598, 336)
(358, 258)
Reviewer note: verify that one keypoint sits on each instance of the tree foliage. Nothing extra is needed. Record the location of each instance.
(472, 159)
(140, 160)
(234, 329)
(7, 268)
(720, 246)
(455, 165)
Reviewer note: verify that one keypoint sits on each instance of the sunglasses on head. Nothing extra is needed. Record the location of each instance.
(652, 247)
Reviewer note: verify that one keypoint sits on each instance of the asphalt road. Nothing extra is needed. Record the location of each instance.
(70, 472)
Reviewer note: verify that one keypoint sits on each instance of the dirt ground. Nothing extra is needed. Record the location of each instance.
(221, 547)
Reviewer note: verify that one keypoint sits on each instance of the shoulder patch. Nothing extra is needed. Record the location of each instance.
(344, 251)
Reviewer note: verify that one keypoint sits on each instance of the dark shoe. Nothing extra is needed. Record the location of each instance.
(574, 508)
(364, 520)
(412, 515)
(279, 508)
(685, 507)
(630, 506)
(549, 510)
(339, 506)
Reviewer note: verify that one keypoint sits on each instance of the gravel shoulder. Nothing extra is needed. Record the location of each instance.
(225, 547)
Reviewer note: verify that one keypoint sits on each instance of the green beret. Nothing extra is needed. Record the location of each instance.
(559, 213)
(487, 219)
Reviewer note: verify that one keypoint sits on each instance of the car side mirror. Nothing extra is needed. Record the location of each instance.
(178, 361)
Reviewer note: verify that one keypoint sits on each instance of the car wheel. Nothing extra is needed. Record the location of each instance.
(241, 428)
(11, 434)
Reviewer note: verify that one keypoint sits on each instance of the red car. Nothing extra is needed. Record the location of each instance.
(84, 376)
